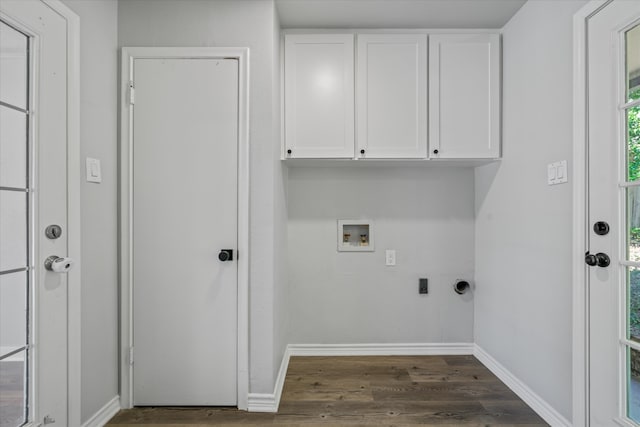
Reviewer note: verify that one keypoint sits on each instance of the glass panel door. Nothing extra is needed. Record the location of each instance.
(631, 114)
(15, 233)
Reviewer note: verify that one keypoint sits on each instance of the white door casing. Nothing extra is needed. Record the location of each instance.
(139, 63)
(54, 198)
(599, 192)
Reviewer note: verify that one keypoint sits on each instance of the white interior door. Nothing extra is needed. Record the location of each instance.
(614, 199)
(34, 137)
(185, 168)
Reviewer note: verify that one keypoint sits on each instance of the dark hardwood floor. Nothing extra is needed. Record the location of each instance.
(370, 390)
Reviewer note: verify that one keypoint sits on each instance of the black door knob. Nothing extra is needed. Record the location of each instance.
(226, 255)
(461, 286)
(435, 151)
(603, 259)
(600, 259)
(289, 151)
(362, 151)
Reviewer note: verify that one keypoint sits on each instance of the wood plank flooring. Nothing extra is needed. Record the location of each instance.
(363, 391)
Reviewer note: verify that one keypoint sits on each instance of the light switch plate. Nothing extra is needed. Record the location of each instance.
(94, 172)
(390, 257)
(557, 173)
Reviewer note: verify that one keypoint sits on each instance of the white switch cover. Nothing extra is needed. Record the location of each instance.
(390, 257)
(551, 173)
(94, 173)
(557, 173)
(561, 176)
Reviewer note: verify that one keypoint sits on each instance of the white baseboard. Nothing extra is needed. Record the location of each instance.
(411, 349)
(104, 414)
(538, 404)
(269, 402)
(262, 402)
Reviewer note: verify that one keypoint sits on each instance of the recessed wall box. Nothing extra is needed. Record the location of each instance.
(355, 235)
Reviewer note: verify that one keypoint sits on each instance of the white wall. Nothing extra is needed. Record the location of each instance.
(98, 139)
(523, 227)
(247, 23)
(425, 213)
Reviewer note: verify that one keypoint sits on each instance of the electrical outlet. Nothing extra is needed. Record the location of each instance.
(423, 286)
(390, 257)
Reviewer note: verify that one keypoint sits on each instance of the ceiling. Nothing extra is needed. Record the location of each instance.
(396, 13)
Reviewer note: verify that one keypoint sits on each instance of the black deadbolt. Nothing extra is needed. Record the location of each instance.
(225, 255)
(601, 228)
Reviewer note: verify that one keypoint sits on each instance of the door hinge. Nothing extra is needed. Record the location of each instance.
(131, 356)
(132, 93)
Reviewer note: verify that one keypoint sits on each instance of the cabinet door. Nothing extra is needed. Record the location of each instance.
(319, 96)
(392, 96)
(464, 96)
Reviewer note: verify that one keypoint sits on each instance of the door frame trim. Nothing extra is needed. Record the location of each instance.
(126, 208)
(74, 217)
(580, 317)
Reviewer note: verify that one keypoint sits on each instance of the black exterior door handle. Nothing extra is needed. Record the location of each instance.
(600, 259)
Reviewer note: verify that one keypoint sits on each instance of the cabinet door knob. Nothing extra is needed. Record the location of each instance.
(289, 151)
(362, 151)
(435, 151)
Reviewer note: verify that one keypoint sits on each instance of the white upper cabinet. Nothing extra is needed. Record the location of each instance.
(397, 96)
(391, 96)
(319, 96)
(464, 96)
